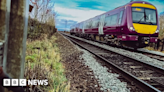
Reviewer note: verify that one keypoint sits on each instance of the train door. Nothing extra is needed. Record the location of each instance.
(120, 21)
(101, 24)
(89, 24)
(95, 25)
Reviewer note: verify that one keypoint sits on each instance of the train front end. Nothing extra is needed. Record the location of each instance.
(143, 23)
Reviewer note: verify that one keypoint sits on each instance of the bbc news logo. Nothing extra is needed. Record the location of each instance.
(23, 82)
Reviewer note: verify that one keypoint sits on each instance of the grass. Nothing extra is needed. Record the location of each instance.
(42, 58)
(152, 48)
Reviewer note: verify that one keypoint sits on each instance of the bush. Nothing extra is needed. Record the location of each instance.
(36, 29)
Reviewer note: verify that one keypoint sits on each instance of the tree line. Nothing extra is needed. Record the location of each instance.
(41, 19)
(160, 43)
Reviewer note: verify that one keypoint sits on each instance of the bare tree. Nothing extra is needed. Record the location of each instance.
(161, 24)
(42, 18)
(43, 10)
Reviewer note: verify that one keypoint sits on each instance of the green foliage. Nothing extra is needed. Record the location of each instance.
(30, 59)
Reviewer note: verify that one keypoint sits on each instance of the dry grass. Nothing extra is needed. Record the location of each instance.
(151, 48)
(42, 62)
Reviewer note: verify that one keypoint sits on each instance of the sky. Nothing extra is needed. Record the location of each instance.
(70, 12)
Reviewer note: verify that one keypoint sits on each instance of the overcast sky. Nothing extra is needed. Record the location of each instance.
(79, 10)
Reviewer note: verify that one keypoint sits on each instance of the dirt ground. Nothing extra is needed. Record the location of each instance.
(80, 76)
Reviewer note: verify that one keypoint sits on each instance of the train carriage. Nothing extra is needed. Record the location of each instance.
(134, 24)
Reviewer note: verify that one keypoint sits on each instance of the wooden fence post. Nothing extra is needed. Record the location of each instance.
(15, 37)
(2, 18)
(2, 27)
(13, 30)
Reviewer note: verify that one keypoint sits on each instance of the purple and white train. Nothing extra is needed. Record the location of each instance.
(134, 24)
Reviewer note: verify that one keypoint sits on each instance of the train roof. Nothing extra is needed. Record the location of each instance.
(128, 4)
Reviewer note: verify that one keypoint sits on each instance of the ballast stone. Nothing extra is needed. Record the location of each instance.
(108, 81)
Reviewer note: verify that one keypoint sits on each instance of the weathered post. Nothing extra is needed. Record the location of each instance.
(15, 37)
(2, 26)
(162, 44)
(2, 17)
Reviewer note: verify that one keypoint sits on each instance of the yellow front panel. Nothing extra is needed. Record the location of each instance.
(143, 5)
(144, 29)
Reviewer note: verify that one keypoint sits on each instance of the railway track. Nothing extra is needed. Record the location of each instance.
(145, 76)
(151, 54)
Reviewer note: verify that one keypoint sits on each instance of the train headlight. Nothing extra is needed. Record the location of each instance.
(131, 28)
(157, 31)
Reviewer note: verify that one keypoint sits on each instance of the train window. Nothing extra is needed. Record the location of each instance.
(110, 20)
(89, 24)
(114, 19)
(144, 16)
(151, 16)
(107, 20)
(120, 17)
(95, 23)
(85, 25)
(81, 25)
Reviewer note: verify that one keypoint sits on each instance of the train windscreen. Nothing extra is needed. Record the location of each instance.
(144, 16)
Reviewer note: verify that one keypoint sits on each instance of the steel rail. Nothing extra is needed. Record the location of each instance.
(139, 83)
(159, 69)
(157, 56)
(154, 55)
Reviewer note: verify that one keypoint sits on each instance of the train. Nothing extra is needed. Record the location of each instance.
(134, 24)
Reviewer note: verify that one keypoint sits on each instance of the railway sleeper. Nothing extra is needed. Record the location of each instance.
(134, 67)
(102, 54)
(156, 85)
(128, 63)
(154, 81)
(146, 71)
(160, 80)
(144, 78)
